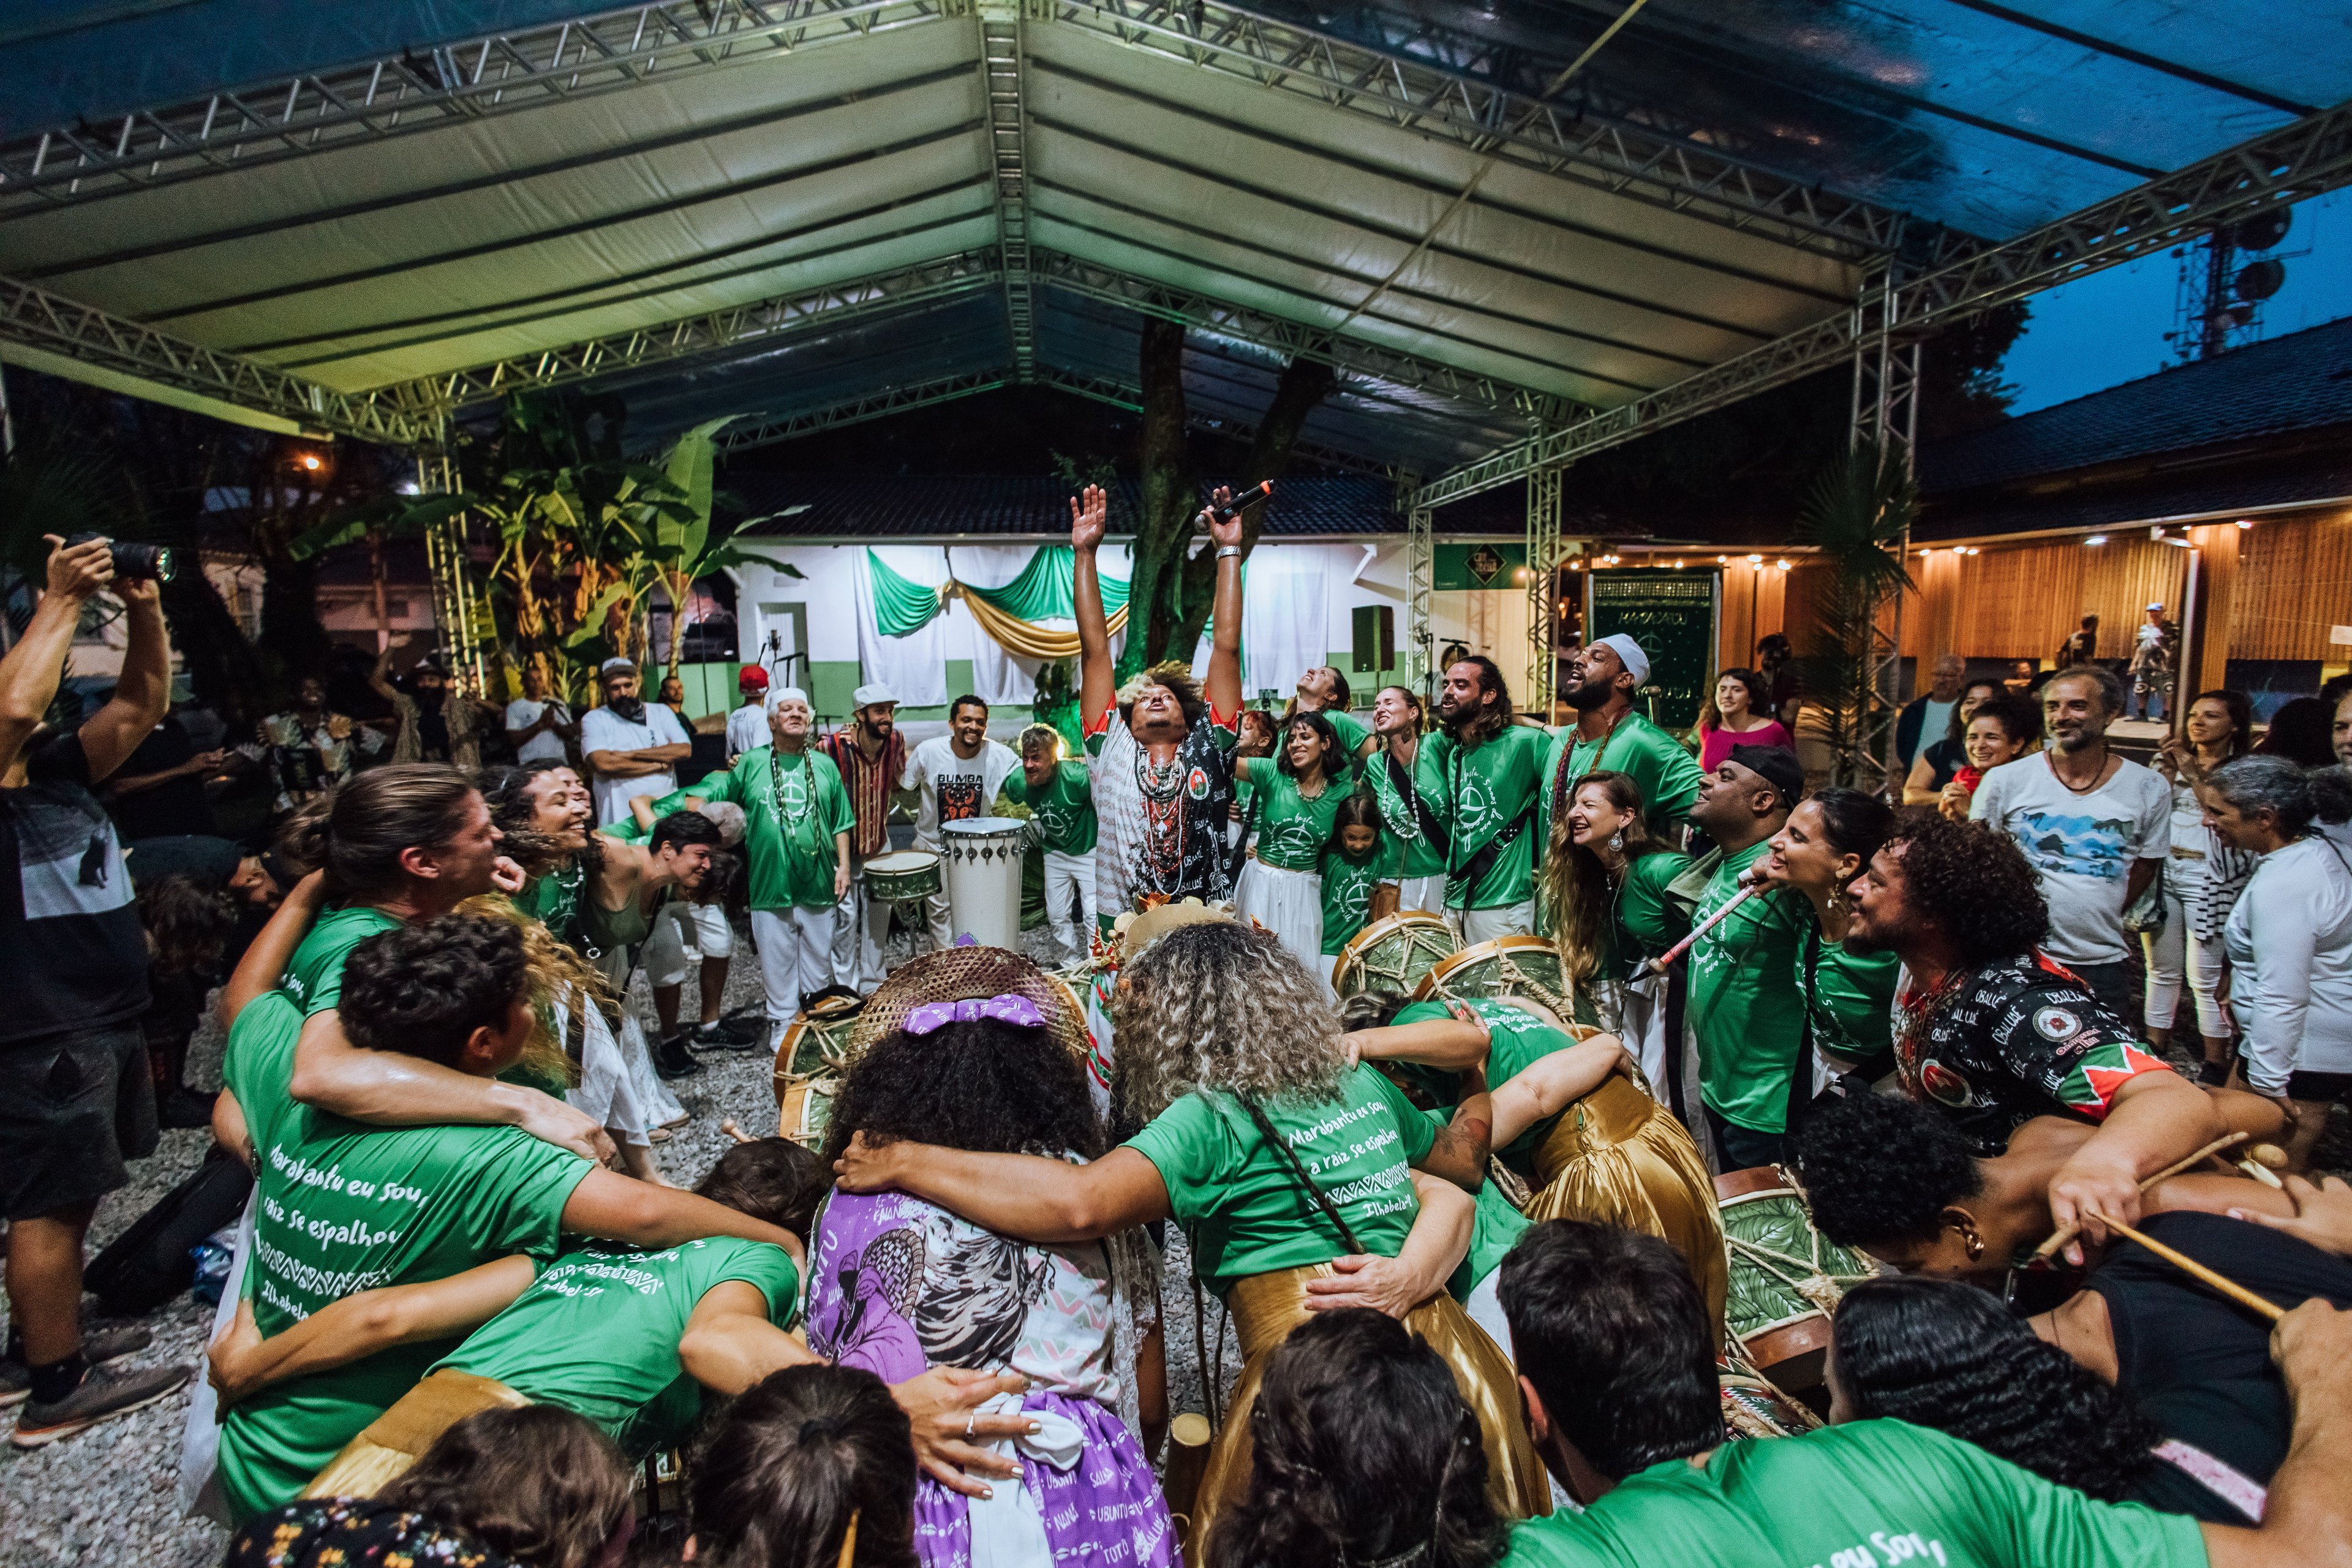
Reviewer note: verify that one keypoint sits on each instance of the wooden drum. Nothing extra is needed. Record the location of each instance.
(1786, 1277)
(903, 876)
(808, 1060)
(1527, 966)
(1392, 954)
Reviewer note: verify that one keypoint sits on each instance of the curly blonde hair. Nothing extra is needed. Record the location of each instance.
(556, 976)
(1222, 1007)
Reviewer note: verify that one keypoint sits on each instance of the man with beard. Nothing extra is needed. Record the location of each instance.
(870, 755)
(307, 748)
(1993, 1032)
(2093, 825)
(1494, 780)
(631, 748)
(1608, 734)
(1163, 758)
(1408, 775)
(1746, 1015)
(436, 724)
(955, 777)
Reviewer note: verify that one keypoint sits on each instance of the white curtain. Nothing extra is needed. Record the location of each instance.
(915, 666)
(1286, 618)
(996, 675)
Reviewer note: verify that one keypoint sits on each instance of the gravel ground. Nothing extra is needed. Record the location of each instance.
(105, 1497)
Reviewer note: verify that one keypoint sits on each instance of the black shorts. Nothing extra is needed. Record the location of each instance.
(2320, 1087)
(73, 1108)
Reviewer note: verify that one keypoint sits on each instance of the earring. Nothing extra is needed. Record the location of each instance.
(1617, 841)
(1972, 1243)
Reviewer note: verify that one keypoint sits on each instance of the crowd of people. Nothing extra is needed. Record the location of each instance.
(1468, 1249)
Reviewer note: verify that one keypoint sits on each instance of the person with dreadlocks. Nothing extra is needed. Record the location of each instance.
(1162, 749)
(1291, 1172)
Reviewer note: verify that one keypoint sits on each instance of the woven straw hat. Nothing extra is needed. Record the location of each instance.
(967, 974)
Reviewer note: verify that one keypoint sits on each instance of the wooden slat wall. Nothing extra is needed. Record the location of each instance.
(2022, 600)
(2294, 581)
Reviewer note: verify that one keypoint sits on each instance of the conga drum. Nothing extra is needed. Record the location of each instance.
(1527, 966)
(983, 877)
(816, 1042)
(903, 876)
(1786, 1277)
(1392, 954)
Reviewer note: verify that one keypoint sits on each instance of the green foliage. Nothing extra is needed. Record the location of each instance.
(1858, 513)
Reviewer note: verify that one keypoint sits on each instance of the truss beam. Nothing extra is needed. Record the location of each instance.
(2307, 158)
(1008, 132)
(1543, 561)
(858, 410)
(1409, 94)
(52, 333)
(1280, 335)
(1120, 393)
(496, 73)
(1419, 574)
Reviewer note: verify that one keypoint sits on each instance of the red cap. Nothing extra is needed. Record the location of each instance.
(754, 679)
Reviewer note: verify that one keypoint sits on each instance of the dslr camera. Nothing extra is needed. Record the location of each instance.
(143, 560)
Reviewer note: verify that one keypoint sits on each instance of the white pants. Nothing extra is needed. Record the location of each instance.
(1067, 875)
(861, 926)
(1287, 903)
(1422, 893)
(1486, 925)
(655, 1103)
(678, 927)
(935, 905)
(607, 1089)
(2175, 953)
(795, 954)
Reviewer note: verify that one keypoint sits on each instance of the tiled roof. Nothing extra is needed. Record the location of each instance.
(2299, 382)
(835, 506)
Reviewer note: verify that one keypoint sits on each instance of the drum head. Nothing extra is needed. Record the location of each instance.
(901, 861)
(984, 826)
(1393, 954)
(1504, 967)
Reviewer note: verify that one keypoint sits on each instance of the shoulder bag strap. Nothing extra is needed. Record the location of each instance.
(1282, 1146)
(1425, 819)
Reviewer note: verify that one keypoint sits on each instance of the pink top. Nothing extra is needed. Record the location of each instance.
(1715, 745)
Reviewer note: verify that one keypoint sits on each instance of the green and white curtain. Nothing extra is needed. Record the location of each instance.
(1016, 611)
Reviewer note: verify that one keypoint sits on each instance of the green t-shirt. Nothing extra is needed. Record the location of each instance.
(1849, 996)
(632, 1307)
(1292, 829)
(1744, 1009)
(1491, 785)
(345, 1207)
(1648, 922)
(1495, 1226)
(1515, 1040)
(627, 830)
(1348, 885)
(1661, 766)
(1400, 822)
(1239, 1201)
(791, 847)
(1063, 811)
(553, 900)
(1351, 731)
(1870, 1494)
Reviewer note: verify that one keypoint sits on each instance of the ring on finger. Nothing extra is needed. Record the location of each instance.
(970, 1422)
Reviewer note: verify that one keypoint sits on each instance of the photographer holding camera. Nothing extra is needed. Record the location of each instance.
(75, 1096)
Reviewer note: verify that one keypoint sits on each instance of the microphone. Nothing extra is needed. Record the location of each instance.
(1242, 502)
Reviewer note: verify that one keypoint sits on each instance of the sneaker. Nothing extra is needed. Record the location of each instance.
(721, 1037)
(673, 1061)
(98, 1346)
(104, 1394)
(180, 1106)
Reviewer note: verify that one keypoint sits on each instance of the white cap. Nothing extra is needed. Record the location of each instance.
(617, 662)
(872, 692)
(1629, 654)
(784, 694)
(2155, 607)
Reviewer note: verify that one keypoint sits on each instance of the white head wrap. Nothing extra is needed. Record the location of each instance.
(1629, 653)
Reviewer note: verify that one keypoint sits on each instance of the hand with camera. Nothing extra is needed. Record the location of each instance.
(79, 567)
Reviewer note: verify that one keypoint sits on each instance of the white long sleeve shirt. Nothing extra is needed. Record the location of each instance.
(2290, 947)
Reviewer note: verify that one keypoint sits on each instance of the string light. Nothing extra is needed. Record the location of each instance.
(2097, 538)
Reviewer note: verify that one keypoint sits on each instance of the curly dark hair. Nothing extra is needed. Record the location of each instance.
(1939, 1353)
(507, 791)
(1362, 1450)
(1974, 885)
(424, 989)
(1879, 1169)
(989, 1086)
(188, 924)
(1336, 764)
(773, 1179)
(539, 1484)
(779, 1478)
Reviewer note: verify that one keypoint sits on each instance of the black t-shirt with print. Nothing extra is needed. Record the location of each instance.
(73, 953)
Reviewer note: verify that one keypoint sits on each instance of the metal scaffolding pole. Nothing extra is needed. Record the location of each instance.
(1420, 570)
(456, 604)
(1543, 561)
(1886, 420)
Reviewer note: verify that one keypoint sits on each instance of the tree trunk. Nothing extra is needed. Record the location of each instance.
(225, 670)
(1170, 484)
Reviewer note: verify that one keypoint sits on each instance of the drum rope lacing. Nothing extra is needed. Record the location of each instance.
(1806, 1275)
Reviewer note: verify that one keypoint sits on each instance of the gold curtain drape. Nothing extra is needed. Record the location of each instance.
(1025, 639)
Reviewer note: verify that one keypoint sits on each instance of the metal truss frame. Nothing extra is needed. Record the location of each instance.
(1567, 142)
(456, 602)
(1885, 420)
(2311, 156)
(50, 324)
(495, 73)
(1543, 561)
(1000, 23)
(1128, 394)
(857, 410)
(1420, 575)
(1280, 335)
(793, 314)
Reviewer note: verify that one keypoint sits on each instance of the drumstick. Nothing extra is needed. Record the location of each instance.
(1665, 960)
(2068, 1233)
(2189, 1265)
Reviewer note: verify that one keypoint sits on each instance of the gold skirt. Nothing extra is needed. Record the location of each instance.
(391, 1443)
(1618, 1157)
(1267, 1306)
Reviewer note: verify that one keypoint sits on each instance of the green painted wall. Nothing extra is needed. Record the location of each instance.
(832, 682)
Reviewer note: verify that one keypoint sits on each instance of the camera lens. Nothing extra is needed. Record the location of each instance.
(153, 561)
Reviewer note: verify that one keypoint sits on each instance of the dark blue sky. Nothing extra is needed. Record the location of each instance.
(2109, 327)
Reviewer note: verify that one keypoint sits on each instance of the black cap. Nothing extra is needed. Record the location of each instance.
(1776, 765)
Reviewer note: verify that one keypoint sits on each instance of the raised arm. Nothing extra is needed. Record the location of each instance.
(391, 1090)
(1223, 686)
(1097, 683)
(242, 1362)
(1020, 1195)
(622, 1209)
(380, 673)
(732, 1342)
(1553, 1084)
(266, 958)
(143, 695)
(31, 671)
